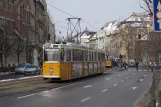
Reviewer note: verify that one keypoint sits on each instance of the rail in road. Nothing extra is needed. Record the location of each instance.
(33, 84)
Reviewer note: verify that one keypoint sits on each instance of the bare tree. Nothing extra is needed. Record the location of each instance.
(7, 43)
(19, 48)
(128, 37)
(146, 5)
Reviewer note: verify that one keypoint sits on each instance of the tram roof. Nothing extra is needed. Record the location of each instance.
(70, 45)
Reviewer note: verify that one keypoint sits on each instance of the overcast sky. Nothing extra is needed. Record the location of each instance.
(95, 12)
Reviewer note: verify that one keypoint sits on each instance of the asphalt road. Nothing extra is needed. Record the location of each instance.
(119, 89)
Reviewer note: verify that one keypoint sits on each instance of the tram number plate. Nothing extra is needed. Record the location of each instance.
(51, 69)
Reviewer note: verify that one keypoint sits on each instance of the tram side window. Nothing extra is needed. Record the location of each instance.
(86, 55)
(68, 55)
(74, 55)
(95, 57)
(102, 56)
(99, 56)
(81, 55)
(62, 54)
(90, 56)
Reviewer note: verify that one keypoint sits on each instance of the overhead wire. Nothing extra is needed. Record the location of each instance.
(71, 15)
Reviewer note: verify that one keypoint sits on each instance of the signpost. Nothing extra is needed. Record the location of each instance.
(157, 15)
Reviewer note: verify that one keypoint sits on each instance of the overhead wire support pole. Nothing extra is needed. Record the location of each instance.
(70, 31)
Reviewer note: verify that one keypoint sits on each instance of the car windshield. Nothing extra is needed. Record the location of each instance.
(31, 66)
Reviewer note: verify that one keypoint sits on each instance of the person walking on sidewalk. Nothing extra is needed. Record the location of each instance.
(137, 65)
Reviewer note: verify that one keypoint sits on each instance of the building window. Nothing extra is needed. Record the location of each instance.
(7, 4)
(12, 6)
(18, 25)
(1, 3)
(12, 26)
(7, 25)
(23, 9)
(1, 22)
(18, 10)
(23, 29)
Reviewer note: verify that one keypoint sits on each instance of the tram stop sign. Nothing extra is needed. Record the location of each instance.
(157, 15)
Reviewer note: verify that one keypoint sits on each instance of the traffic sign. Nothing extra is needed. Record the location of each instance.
(157, 15)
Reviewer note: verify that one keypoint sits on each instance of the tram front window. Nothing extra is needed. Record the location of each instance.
(52, 55)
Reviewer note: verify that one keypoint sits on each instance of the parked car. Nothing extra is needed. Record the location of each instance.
(21, 68)
(32, 69)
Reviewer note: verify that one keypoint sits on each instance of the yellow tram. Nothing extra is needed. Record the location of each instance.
(70, 61)
(108, 62)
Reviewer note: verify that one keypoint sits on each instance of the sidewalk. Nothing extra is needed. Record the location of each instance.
(6, 73)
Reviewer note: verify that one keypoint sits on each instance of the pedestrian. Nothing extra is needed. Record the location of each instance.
(137, 65)
(152, 67)
(124, 64)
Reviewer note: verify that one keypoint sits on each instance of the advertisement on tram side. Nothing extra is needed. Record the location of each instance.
(77, 70)
(86, 69)
(99, 66)
(90, 68)
(95, 68)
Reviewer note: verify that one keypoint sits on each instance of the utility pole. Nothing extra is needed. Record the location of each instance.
(27, 36)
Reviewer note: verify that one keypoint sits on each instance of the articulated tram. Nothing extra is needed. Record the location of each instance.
(70, 61)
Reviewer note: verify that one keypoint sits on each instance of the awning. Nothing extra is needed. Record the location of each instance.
(17, 34)
(2, 32)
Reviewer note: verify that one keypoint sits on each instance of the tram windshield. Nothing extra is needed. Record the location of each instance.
(52, 55)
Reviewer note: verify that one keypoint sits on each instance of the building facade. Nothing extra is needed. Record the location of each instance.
(24, 24)
(13, 26)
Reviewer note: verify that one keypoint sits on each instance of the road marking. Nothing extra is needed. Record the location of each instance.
(149, 70)
(85, 99)
(122, 81)
(104, 90)
(115, 85)
(127, 78)
(25, 96)
(133, 88)
(88, 86)
(140, 70)
(108, 79)
(145, 70)
(133, 74)
(141, 79)
(144, 75)
(66, 86)
(119, 75)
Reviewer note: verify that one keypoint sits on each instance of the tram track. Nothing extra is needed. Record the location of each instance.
(25, 86)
